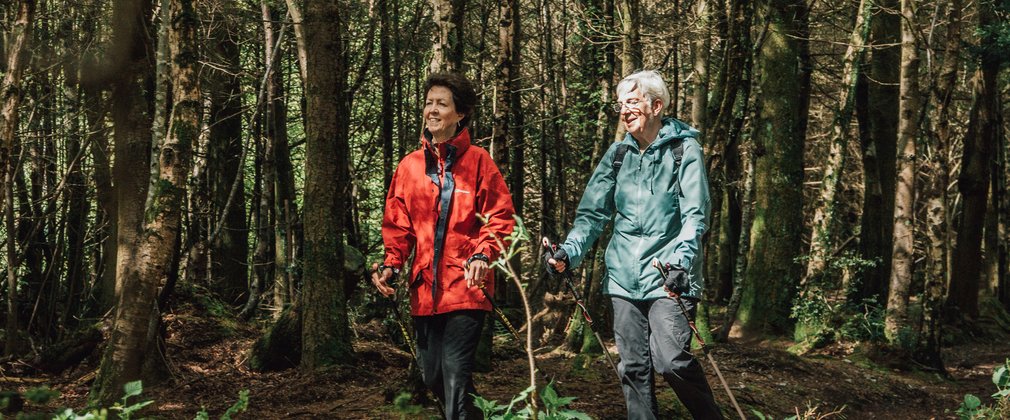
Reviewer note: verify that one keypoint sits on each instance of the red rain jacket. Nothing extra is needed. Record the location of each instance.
(413, 211)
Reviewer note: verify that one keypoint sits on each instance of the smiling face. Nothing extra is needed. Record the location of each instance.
(638, 114)
(440, 115)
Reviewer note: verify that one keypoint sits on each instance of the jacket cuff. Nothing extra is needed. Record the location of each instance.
(682, 260)
(392, 261)
(572, 260)
(486, 249)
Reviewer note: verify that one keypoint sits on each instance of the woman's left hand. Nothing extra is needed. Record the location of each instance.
(476, 273)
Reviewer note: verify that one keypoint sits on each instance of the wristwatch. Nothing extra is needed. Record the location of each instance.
(477, 256)
(396, 271)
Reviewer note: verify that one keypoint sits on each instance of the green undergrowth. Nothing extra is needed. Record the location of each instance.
(127, 408)
(973, 409)
(552, 406)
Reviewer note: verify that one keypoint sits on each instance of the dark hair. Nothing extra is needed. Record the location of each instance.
(463, 95)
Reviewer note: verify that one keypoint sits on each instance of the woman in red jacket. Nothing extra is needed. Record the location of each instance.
(434, 199)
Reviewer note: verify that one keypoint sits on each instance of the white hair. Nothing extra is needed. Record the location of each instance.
(649, 82)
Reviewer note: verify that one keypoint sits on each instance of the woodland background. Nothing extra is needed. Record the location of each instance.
(228, 160)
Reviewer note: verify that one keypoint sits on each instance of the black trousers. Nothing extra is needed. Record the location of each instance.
(654, 334)
(446, 347)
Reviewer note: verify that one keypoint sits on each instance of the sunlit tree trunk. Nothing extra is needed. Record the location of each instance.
(935, 193)
(822, 239)
(135, 332)
(447, 47)
(902, 259)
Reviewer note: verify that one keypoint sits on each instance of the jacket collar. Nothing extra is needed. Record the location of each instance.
(460, 142)
(672, 129)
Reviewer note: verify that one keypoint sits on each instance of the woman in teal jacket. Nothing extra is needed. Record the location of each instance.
(656, 192)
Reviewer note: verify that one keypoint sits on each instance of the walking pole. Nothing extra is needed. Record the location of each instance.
(501, 315)
(413, 349)
(676, 297)
(589, 320)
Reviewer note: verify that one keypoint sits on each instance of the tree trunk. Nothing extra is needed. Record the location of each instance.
(76, 202)
(700, 51)
(10, 95)
(879, 152)
(107, 209)
(326, 335)
(902, 258)
(447, 47)
(132, 111)
(937, 214)
(822, 239)
(998, 249)
(517, 175)
(722, 147)
(973, 182)
(229, 251)
(505, 72)
(388, 111)
(631, 48)
(135, 331)
(776, 235)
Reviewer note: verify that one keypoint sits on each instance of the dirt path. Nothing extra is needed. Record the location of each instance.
(209, 372)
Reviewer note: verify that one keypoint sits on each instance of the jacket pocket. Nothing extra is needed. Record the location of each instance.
(419, 273)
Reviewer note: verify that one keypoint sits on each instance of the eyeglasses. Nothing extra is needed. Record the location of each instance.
(631, 104)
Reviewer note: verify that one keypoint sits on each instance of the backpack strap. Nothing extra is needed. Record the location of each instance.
(622, 150)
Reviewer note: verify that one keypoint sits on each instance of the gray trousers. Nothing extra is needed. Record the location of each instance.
(446, 347)
(654, 334)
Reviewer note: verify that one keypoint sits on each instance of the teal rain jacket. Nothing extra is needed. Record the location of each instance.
(655, 216)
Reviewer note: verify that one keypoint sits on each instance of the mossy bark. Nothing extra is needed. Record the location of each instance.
(776, 234)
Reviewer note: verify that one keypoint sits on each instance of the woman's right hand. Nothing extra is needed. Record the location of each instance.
(556, 263)
(381, 280)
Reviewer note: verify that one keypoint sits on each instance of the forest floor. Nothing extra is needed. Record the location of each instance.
(207, 356)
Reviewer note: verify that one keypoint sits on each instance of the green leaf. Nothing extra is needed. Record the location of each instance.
(972, 402)
(572, 414)
(202, 414)
(759, 415)
(132, 389)
(1001, 377)
(549, 396)
(240, 406)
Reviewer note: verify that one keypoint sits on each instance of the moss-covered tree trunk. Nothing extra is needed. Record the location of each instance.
(776, 233)
(135, 332)
(326, 335)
